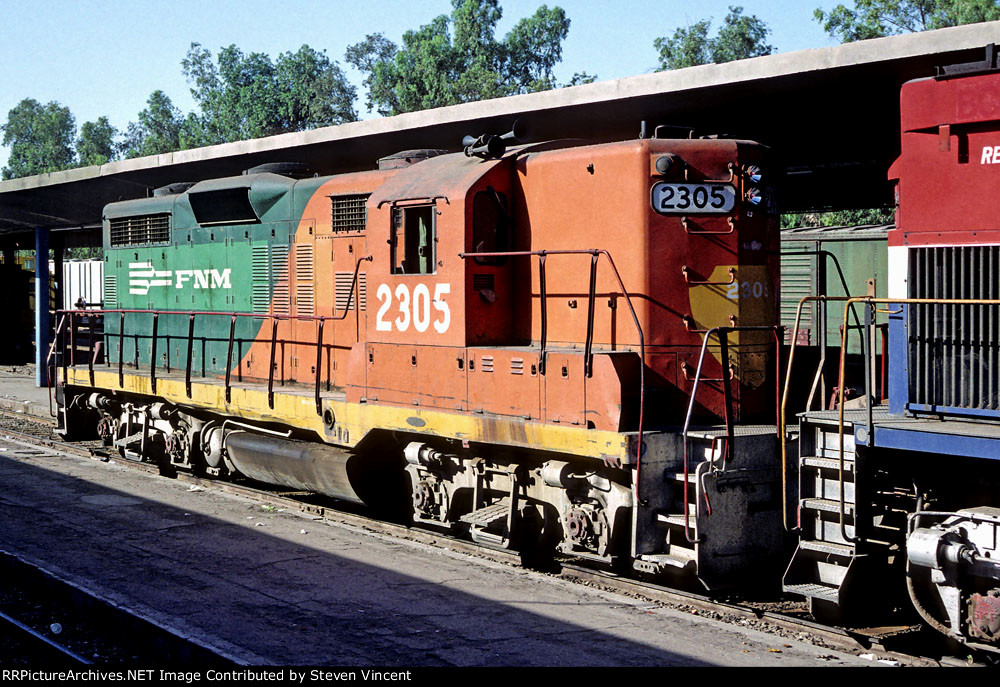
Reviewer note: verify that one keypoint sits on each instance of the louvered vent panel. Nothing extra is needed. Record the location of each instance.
(305, 297)
(279, 274)
(140, 230)
(487, 363)
(482, 282)
(349, 213)
(953, 349)
(110, 292)
(260, 280)
(343, 281)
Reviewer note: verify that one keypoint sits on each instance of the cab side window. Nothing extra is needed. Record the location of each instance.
(490, 226)
(413, 239)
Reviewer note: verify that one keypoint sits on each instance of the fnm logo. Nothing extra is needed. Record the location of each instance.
(142, 276)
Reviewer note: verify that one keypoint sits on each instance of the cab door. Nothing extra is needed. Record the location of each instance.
(415, 352)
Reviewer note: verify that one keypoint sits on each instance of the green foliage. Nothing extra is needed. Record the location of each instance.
(839, 218)
(249, 96)
(158, 129)
(877, 18)
(458, 59)
(40, 139)
(96, 143)
(738, 38)
(83, 253)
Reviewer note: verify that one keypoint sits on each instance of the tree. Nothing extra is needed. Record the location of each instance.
(877, 18)
(40, 138)
(96, 144)
(457, 59)
(249, 96)
(738, 38)
(838, 218)
(158, 129)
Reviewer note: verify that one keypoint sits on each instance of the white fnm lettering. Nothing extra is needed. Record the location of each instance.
(991, 155)
(142, 276)
(203, 279)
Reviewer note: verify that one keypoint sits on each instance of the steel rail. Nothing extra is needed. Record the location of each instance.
(575, 572)
(40, 638)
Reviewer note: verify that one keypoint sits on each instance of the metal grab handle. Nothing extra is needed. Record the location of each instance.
(686, 271)
(689, 321)
(686, 373)
(685, 222)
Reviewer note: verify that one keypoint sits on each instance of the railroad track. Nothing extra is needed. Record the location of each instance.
(20, 643)
(903, 644)
(48, 621)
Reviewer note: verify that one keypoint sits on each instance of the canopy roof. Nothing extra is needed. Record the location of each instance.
(830, 114)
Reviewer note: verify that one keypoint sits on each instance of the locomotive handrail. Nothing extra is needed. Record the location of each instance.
(192, 314)
(595, 254)
(723, 334)
(784, 398)
(870, 301)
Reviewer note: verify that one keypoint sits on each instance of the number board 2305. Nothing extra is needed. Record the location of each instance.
(690, 199)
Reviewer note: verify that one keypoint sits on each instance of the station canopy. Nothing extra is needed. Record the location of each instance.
(831, 116)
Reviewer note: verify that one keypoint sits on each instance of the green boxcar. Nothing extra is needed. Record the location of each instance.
(819, 261)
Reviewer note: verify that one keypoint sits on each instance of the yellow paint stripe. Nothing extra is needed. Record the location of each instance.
(355, 420)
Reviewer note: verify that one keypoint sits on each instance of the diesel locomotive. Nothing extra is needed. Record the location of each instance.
(562, 346)
(575, 347)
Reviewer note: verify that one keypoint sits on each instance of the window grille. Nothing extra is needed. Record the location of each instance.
(140, 230)
(349, 213)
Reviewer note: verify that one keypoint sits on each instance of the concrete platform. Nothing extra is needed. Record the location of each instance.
(266, 587)
(19, 394)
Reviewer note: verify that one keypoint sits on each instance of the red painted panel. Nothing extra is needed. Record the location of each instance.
(418, 376)
(565, 397)
(949, 165)
(505, 382)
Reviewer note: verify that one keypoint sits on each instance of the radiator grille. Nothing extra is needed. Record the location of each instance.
(279, 274)
(260, 279)
(953, 349)
(349, 213)
(140, 230)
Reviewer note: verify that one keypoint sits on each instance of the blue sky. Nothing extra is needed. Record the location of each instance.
(99, 57)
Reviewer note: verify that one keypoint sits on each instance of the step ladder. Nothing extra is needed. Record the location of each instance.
(826, 562)
(680, 529)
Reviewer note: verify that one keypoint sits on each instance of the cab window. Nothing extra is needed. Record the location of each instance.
(413, 234)
(490, 226)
